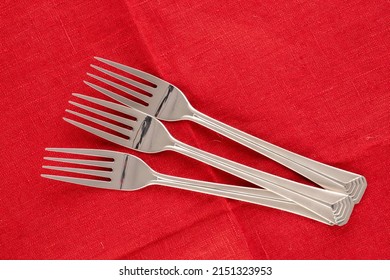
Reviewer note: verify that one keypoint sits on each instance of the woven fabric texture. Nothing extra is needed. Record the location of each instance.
(310, 76)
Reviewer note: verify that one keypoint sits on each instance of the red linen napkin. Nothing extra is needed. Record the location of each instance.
(310, 76)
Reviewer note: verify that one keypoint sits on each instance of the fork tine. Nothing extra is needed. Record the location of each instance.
(135, 72)
(114, 127)
(115, 96)
(82, 181)
(98, 173)
(129, 81)
(114, 106)
(96, 163)
(104, 114)
(108, 136)
(134, 93)
(86, 152)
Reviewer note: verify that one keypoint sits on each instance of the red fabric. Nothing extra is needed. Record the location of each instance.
(310, 76)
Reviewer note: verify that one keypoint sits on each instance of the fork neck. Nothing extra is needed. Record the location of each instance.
(203, 119)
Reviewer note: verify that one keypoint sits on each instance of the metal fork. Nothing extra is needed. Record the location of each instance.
(147, 134)
(168, 103)
(127, 173)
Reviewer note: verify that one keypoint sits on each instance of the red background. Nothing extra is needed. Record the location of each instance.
(310, 76)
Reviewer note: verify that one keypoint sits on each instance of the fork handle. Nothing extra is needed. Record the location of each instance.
(326, 176)
(250, 195)
(334, 207)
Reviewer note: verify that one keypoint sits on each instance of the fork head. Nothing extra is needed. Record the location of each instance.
(164, 100)
(145, 133)
(119, 171)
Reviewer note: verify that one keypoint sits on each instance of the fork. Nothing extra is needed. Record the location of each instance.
(128, 173)
(167, 102)
(147, 134)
